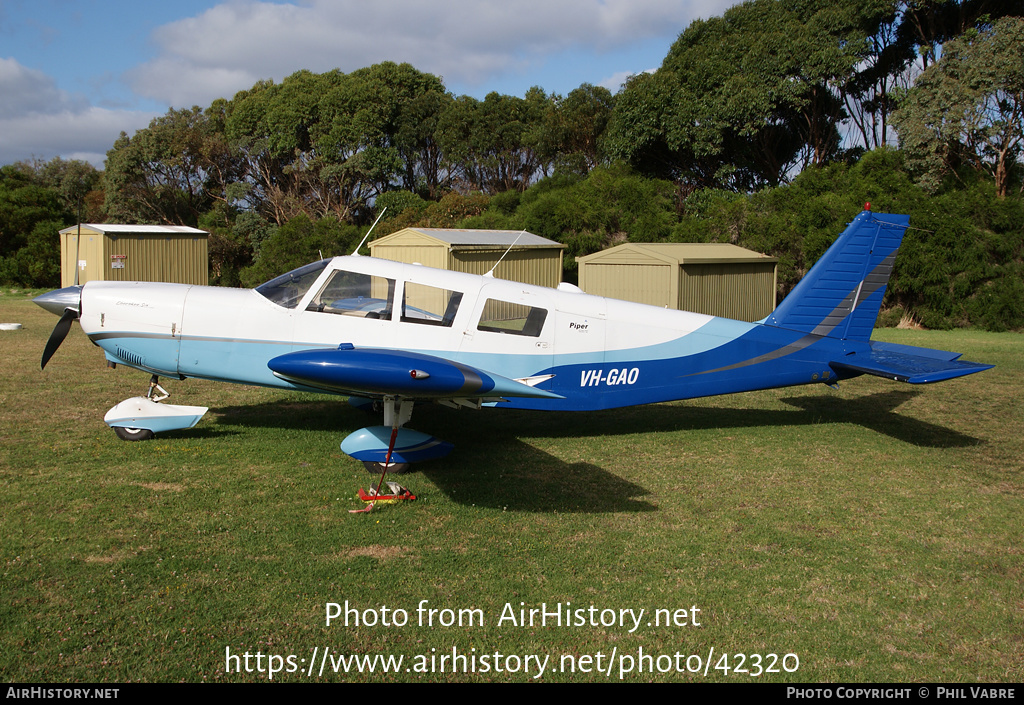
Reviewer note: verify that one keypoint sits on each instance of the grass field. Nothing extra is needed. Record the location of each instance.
(874, 532)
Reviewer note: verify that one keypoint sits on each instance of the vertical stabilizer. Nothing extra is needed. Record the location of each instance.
(841, 296)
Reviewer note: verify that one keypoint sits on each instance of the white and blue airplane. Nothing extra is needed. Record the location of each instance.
(377, 330)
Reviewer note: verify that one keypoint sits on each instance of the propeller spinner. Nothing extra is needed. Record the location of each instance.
(68, 303)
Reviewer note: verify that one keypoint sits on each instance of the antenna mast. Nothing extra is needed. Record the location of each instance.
(491, 273)
(355, 252)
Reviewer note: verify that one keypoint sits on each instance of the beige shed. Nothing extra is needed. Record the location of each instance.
(711, 278)
(152, 253)
(532, 259)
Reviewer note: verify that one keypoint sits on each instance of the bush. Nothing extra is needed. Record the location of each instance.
(298, 242)
(397, 202)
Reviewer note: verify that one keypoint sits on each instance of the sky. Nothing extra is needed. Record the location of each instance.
(74, 74)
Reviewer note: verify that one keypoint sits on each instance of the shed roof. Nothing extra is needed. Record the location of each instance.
(681, 253)
(119, 229)
(458, 238)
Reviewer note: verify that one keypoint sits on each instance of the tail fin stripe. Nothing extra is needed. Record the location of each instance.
(875, 280)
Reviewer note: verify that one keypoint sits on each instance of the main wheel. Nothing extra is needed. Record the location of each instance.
(133, 434)
(376, 468)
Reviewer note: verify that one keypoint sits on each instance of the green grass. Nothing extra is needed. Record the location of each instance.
(875, 531)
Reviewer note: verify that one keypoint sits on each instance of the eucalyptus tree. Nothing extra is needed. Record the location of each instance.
(573, 127)
(399, 112)
(908, 40)
(495, 144)
(744, 99)
(928, 24)
(273, 127)
(967, 109)
(327, 144)
(170, 172)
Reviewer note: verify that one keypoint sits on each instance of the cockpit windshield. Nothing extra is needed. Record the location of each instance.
(288, 289)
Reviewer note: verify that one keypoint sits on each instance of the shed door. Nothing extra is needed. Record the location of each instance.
(642, 283)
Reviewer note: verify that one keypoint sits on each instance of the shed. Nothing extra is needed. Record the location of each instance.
(532, 259)
(152, 253)
(712, 278)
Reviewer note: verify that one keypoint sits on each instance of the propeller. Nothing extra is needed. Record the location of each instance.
(60, 331)
(69, 298)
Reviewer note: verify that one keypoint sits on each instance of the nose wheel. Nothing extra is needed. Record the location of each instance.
(140, 418)
(133, 434)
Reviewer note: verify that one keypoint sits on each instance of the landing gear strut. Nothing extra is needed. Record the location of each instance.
(129, 433)
(395, 421)
(389, 410)
(154, 387)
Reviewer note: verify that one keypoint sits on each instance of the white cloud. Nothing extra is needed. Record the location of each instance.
(617, 80)
(26, 90)
(227, 48)
(231, 46)
(39, 120)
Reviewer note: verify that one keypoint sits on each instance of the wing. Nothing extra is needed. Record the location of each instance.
(380, 371)
(905, 363)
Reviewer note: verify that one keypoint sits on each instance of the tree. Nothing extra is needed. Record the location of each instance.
(742, 99)
(609, 205)
(31, 214)
(426, 170)
(907, 41)
(967, 109)
(398, 111)
(274, 127)
(78, 183)
(170, 172)
(327, 144)
(495, 143)
(573, 127)
(298, 242)
(928, 24)
(887, 66)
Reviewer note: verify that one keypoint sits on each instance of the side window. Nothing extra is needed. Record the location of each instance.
(512, 319)
(355, 294)
(429, 305)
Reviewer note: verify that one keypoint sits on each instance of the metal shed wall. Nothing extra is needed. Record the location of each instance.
(411, 246)
(714, 279)
(427, 255)
(89, 251)
(530, 264)
(650, 283)
(158, 258)
(121, 255)
(744, 291)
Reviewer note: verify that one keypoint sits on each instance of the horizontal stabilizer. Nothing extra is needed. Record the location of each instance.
(904, 363)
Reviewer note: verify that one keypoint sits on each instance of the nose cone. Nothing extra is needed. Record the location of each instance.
(59, 299)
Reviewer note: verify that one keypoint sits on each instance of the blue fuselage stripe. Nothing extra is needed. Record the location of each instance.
(721, 357)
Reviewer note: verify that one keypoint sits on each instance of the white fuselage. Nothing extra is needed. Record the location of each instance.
(229, 334)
